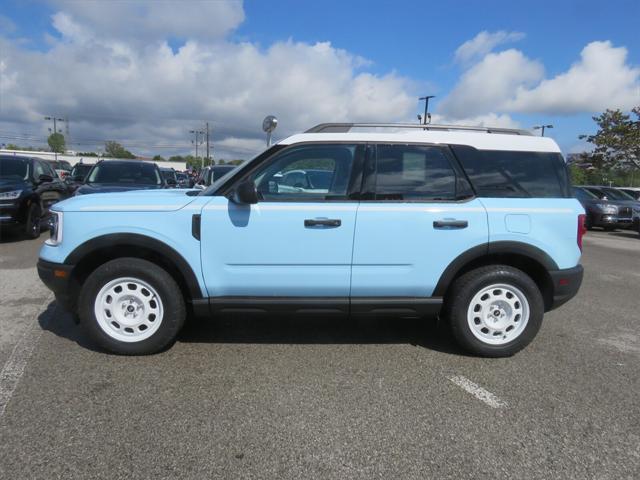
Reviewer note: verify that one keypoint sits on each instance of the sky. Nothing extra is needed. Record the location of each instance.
(146, 73)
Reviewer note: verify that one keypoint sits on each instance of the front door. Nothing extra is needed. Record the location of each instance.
(297, 241)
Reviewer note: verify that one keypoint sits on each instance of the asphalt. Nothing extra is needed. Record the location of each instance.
(283, 398)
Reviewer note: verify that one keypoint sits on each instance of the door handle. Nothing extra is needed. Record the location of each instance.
(322, 222)
(450, 224)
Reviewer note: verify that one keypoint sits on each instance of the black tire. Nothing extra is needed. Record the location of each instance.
(461, 294)
(32, 222)
(174, 311)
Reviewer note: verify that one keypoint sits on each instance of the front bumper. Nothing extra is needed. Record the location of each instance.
(57, 278)
(566, 284)
(9, 213)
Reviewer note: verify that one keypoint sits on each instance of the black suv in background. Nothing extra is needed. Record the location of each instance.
(121, 175)
(28, 187)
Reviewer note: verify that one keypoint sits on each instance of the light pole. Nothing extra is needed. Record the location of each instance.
(426, 107)
(542, 127)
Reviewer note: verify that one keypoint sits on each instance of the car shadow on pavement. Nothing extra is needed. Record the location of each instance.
(55, 320)
(268, 329)
(626, 234)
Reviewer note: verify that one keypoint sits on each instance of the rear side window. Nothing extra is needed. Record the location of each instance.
(413, 172)
(498, 173)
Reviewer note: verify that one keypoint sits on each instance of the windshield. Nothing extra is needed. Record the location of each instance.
(80, 169)
(120, 173)
(14, 168)
(617, 194)
(583, 194)
(168, 174)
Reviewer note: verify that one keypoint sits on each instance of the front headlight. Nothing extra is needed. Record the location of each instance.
(55, 229)
(12, 195)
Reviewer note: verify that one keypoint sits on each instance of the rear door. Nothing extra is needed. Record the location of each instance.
(417, 215)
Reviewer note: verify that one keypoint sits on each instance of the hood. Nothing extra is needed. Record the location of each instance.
(161, 200)
(109, 187)
(11, 184)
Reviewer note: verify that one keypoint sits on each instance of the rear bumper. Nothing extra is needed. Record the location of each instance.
(57, 278)
(566, 284)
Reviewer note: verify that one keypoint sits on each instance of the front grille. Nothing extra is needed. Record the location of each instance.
(624, 212)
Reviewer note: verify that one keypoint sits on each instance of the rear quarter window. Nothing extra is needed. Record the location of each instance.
(502, 173)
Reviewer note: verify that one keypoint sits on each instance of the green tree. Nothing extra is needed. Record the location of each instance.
(56, 142)
(115, 150)
(617, 141)
(196, 162)
(176, 158)
(158, 158)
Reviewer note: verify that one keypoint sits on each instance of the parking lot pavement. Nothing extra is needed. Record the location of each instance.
(280, 398)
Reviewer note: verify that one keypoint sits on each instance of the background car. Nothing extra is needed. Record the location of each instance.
(61, 167)
(169, 176)
(633, 191)
(600, 213)
(613, 197)
(121, 175)
(28, 187)
(184, 180)
(208, 175)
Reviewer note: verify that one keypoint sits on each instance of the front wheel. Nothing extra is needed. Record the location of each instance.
(32, 224)
(494, 311)
(131, 306)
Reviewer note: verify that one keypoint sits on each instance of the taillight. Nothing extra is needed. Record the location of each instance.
(582, 229)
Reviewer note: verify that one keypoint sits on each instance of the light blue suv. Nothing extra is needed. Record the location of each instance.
(476, 225)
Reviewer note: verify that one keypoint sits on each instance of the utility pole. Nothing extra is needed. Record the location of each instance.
(426, 107)
(207, 141)
(197, 141)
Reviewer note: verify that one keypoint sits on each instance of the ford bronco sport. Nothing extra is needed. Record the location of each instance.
(476, 225)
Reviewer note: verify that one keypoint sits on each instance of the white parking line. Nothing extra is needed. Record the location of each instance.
(478, 392)
(14, 367)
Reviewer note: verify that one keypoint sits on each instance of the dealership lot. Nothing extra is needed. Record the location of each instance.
(280, 398)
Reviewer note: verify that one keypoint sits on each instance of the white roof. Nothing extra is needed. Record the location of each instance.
(479, 140)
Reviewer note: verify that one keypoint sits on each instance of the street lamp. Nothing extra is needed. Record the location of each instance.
(269, 124)
(426, 108)
(542, 127)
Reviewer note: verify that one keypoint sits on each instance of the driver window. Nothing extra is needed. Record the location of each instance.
(310, 172)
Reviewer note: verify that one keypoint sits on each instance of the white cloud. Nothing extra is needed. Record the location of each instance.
(483, 43)
(114, 84)
(601, 79)
(487, 85)
(510, 82)
(128, 20)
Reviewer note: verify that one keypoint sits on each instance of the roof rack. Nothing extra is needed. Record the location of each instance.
(346, 127)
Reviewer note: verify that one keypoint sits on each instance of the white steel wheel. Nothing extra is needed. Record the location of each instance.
(498, 314)
(128, 309)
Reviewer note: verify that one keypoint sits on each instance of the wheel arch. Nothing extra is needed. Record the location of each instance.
(95, 252)
(530, 259)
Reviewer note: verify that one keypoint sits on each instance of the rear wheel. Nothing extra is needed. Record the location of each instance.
(131, 306)
(32, 224)
(494, 311)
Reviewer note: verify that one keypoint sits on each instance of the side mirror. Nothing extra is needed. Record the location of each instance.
(45, 178)
(78, 178)
(171, 182)
(245, 193)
